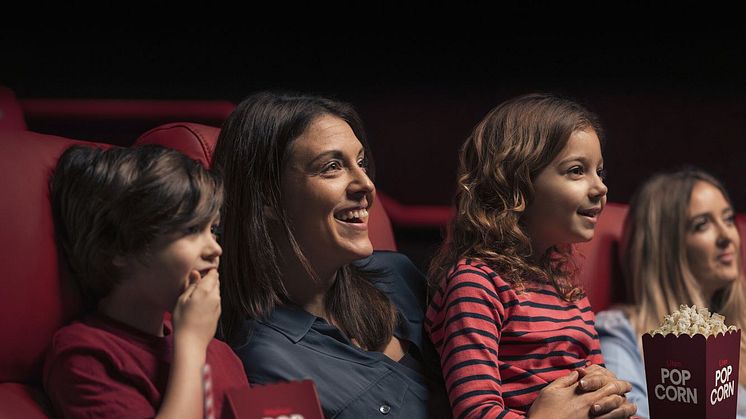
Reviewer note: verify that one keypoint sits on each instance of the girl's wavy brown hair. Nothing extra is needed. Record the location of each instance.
(498, 164)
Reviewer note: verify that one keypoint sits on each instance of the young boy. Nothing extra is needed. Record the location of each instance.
(136, 227)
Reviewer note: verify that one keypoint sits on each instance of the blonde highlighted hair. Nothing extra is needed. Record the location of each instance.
(498, 164)
(654, 256)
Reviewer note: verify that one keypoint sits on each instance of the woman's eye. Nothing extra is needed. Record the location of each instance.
(700, 225)
(363, 163)
(332, 166)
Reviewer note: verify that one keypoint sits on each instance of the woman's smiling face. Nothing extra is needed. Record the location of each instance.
(326, 193)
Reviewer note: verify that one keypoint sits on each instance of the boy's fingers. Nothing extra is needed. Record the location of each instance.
(194, 277)
(210, 280)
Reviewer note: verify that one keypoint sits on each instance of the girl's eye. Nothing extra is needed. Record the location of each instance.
(730, 219)
(601, 173)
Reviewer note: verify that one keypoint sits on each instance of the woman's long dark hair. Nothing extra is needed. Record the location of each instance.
(251, 152)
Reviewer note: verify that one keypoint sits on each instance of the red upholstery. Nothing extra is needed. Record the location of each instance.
(35, 300)
(599, 261)
(198, 141)
(600, 272)
(11, 114)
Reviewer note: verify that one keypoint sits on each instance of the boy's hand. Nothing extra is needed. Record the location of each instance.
(197, 311)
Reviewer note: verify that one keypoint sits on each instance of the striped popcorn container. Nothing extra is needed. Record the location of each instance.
(209, 401)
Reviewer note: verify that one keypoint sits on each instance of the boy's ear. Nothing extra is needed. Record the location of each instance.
(270, 213)
(119, 261)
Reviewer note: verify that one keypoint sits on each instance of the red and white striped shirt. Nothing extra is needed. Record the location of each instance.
(499, 348)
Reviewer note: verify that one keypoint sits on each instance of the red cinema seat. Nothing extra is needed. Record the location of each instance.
(11, 114)
(36, 299)
(198, 141)
(598, 260)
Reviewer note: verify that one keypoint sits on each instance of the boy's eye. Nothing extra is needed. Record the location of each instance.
(192, 230)
(215, 230)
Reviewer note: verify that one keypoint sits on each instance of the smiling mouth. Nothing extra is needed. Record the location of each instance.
(591, 213)
(353, 216)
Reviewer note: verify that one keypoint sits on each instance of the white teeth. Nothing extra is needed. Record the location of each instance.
(349, 215)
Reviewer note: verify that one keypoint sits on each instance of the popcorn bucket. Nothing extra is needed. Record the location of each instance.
(692, 376)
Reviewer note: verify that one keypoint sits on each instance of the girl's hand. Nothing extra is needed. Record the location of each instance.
(595, 378)
(562, 400)
(196, 314)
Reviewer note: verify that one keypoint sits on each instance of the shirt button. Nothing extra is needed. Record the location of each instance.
(384, 409)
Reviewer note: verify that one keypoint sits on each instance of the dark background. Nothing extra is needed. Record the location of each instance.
(666, 95)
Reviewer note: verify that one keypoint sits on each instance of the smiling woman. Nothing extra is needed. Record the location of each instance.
(305, 296)
(680, 246)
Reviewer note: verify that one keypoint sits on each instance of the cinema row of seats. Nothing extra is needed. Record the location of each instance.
(38, 297)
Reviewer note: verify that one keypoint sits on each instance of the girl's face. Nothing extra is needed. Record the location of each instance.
(712, 240)
(327, 193)
(569, 195)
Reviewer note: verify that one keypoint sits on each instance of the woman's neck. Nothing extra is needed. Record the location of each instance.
(306, 291)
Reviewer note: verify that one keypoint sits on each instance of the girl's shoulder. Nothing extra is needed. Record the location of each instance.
(476, 271)
(473, 266)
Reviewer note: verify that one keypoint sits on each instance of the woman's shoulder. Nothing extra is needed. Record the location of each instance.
(396, 275)
(613, 322)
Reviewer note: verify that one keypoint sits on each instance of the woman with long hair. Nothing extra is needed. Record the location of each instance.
(305, 296)
(680, 246)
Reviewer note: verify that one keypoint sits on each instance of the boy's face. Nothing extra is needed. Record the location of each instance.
(165, 273)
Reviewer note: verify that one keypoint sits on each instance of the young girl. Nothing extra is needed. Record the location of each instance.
(680, 246)
(505, 316)
(136, 227)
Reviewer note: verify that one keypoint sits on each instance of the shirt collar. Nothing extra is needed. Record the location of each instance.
(291, 321)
